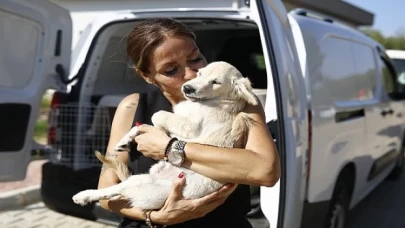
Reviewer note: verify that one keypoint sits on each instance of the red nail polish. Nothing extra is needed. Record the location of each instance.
(181, 175)
(138, 124)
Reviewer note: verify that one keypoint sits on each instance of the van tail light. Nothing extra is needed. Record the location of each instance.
(52, 117)
(309, 152)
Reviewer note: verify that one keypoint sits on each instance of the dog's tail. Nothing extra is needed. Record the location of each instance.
(240, 129)
(119, 167)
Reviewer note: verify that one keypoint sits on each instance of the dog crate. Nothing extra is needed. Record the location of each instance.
(77, 131)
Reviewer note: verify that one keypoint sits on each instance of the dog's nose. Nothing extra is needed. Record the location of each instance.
(188, 89)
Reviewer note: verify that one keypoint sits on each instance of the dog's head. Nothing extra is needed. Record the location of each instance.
(220, 81)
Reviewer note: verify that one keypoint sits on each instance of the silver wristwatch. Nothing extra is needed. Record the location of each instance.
(176, 153)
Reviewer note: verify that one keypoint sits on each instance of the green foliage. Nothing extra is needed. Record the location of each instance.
(45, 102)
(41, 129)
(396, 41)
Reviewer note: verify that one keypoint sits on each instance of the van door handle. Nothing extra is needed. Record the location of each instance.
(342, 116)
(387, 112)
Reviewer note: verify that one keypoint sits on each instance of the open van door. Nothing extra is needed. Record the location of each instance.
(286, 104)
(35, 44)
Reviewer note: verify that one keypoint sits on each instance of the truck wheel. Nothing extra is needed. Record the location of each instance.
(398, 170)
(339, 207)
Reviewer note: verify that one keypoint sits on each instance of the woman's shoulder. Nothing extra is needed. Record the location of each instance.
(138, 104)
(129, 102)
(127, 107)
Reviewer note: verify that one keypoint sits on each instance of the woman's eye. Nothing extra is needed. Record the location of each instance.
(196, 60)
(171, 71)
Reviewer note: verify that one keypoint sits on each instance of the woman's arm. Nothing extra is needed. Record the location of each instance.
(257, 164)
(121, 124)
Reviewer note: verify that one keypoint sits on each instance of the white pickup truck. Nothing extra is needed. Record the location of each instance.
(330, 95)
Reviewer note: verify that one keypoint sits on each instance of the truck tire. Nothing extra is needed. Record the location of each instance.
(339, 206)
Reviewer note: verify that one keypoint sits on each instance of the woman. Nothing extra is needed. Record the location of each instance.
(165, 54)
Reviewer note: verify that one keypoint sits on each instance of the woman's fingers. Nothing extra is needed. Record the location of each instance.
(176, 193)
(223, 192)
(143, 128)
(211, 204)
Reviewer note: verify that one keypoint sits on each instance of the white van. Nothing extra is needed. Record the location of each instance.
(329, 92)
(356, 116)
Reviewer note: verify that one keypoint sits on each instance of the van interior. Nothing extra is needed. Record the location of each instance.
(109, 77)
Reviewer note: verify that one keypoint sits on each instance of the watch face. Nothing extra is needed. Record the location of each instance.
(175, 157)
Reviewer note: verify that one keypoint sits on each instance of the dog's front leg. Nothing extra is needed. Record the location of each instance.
(123, 144)
(187, 127)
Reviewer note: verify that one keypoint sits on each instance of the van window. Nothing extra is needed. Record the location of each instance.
(365, 69)
(348, 70)
(18, 48)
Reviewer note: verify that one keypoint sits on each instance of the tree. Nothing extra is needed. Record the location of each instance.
(397, 41)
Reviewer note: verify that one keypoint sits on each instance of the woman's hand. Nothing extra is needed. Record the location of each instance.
(177, 209)
(151, 141)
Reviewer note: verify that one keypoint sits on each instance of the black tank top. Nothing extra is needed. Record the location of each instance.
(232, 213)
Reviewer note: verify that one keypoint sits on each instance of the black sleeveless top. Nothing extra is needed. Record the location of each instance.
(232, 213)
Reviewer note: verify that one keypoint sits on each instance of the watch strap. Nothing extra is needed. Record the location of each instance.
(179, 145)
(168, 147)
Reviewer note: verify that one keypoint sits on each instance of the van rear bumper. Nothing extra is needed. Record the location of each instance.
(60, 183)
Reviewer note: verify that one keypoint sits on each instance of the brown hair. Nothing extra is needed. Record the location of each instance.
(146, 36)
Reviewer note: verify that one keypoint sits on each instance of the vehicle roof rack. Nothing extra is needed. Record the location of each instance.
(312, 14)
(318, 16)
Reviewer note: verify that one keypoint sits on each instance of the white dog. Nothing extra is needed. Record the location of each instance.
(211, 114)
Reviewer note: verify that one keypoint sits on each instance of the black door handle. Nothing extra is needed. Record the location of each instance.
(387, 112)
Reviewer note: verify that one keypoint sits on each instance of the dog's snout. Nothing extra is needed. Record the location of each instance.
(187, 89)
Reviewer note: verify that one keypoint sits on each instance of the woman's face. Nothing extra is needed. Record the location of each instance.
(174, 62)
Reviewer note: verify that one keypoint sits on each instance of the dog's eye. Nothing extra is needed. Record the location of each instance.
(214, 82)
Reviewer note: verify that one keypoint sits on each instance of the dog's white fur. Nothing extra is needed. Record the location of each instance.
(211, 115)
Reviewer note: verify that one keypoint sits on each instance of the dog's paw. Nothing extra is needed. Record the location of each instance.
(82, 198)
(159, 118)
(123, 144)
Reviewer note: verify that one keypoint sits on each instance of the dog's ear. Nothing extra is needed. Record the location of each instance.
(243, 89)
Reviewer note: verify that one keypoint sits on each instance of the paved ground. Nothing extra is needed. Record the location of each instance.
(38, 216)
(33, 177)
(383, 208)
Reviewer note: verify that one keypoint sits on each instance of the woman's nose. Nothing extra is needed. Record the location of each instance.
(190, 73)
